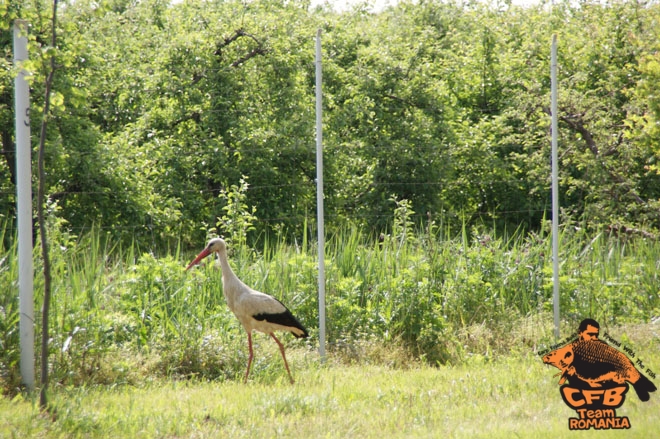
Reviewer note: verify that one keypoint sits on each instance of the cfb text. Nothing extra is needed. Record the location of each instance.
(577, 398)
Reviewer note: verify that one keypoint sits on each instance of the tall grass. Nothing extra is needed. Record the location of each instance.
(120, 315)
(9, 313)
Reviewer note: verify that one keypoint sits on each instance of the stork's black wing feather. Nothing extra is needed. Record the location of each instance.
(285, 319)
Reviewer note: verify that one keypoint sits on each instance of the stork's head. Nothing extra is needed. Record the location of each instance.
(215, 245)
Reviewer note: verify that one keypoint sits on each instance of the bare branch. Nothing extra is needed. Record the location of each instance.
(43, 400)
(259, 50)
(576, 123)
(251, 54)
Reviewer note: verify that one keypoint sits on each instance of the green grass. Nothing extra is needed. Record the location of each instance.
(512, 397)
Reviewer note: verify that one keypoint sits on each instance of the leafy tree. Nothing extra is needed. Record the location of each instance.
(604, 176)
(159, 108)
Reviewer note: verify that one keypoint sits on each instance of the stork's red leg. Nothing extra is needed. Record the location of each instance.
(283, 356)
(247, 372)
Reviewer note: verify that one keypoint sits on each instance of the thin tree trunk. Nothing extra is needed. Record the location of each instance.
(43, 400)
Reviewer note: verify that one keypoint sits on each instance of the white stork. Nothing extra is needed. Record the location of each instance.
(255, 310)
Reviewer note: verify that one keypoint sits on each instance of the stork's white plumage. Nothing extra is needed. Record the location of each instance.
(254, 309)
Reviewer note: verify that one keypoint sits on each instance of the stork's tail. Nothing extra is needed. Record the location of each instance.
(303, 334)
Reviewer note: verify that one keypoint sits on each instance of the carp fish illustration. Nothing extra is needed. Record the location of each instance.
(595, 363)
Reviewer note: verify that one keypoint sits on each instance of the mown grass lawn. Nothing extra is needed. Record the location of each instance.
(511, 397)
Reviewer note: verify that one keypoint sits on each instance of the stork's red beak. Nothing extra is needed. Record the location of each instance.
(204, 253)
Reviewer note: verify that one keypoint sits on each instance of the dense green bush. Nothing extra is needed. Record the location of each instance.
(118, 317)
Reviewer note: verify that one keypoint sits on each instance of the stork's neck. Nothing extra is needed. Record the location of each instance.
(227, 272)
(232, 286)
